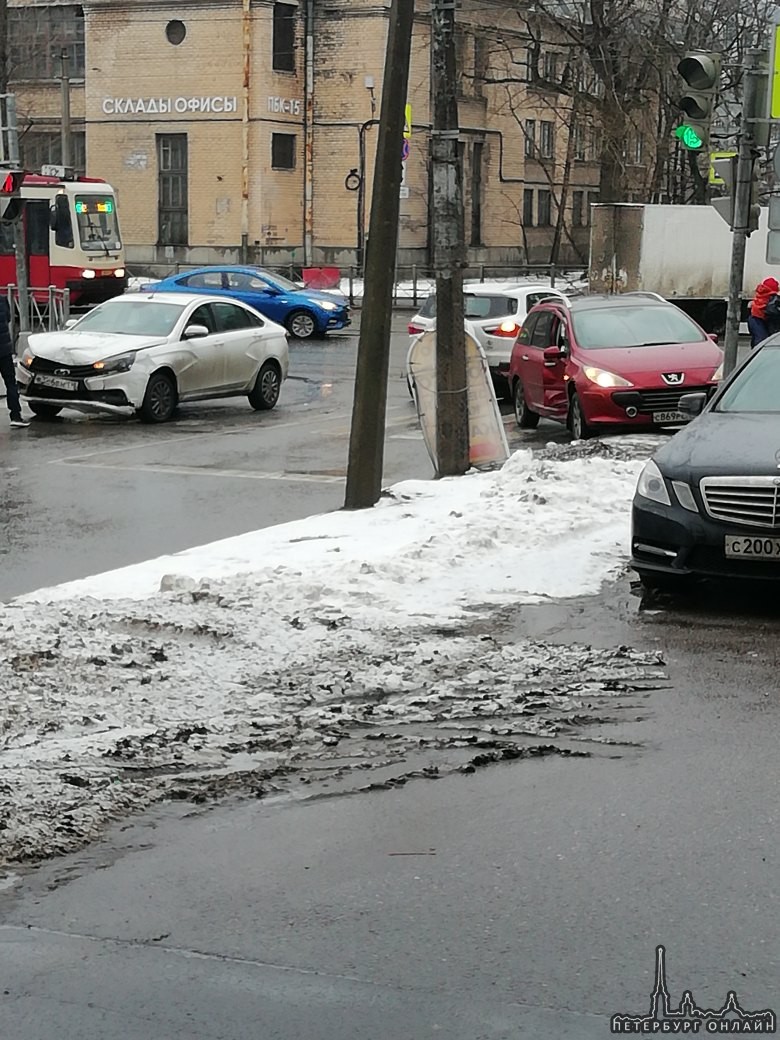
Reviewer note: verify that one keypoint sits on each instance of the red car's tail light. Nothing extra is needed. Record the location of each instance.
(509, 329)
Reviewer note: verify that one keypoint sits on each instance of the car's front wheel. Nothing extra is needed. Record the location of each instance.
(268, 385)
(44, 411)
(301, 325)
(578, 425)
(526, 419)
(160, 399)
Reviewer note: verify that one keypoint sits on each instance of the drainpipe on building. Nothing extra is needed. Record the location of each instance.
(308, 140)
(247, 48)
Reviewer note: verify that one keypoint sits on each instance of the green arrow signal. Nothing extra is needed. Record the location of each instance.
(688, 136)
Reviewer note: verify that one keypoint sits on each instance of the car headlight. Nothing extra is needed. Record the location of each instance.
(328, 306)
(27, 358)
(717, 375)
(652, 485)
(119, 273)
(120, 363)
(89, 273)
(601, 377)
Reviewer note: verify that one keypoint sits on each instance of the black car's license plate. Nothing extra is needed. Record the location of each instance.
(752, 547)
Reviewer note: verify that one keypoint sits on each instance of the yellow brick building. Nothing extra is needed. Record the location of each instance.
(239, 129)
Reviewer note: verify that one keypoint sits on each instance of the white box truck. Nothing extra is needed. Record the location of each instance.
(683, 253)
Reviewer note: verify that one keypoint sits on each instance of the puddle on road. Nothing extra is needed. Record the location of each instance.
(740, 619)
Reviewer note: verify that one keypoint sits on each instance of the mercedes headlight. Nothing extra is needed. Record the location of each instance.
(652, 485)
(27, 358)
(112, 365)
(608, 380)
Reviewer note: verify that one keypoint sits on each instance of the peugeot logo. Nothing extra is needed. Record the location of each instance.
(61, 371)
(673, 378)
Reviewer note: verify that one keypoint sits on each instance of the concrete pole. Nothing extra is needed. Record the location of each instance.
(742, 199)
(67, 149)
(367, 437)
(452, 417)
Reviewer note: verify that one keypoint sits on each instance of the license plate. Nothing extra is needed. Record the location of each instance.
(670, 417)
(752, 547)
(56, 383)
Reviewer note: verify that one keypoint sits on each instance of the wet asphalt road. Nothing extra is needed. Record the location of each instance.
(525, 900)
(82, 495)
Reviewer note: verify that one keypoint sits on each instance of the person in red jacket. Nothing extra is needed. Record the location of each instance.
(760, 324)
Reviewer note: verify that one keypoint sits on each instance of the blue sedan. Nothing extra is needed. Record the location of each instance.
(303, 312)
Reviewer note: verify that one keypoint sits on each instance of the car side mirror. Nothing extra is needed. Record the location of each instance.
(692, 404)
(552, 355)
(713, 336)
(70, 323)
(195, 332)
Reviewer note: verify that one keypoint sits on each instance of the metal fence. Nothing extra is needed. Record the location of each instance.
(414, 282)
(46, 310)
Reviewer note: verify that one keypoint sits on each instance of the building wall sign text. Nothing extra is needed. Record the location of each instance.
(164, 106)
(287, 106)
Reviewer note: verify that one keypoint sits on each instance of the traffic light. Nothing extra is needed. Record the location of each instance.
(11, 202)
(725, 170)
(700, 72)
(11, 182)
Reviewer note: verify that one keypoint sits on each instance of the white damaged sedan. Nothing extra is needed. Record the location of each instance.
(142, 355)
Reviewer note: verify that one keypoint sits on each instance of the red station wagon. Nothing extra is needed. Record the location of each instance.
(609, 361)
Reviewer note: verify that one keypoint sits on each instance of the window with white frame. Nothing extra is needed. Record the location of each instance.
(546, 139)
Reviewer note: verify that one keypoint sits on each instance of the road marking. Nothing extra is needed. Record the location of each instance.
(195, 471)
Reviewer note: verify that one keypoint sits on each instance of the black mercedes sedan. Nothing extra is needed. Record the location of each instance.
(708, 503)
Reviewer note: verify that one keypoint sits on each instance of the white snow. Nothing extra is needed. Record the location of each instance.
(261, 644)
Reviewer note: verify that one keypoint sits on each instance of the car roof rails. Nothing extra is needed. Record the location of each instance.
(650, 295)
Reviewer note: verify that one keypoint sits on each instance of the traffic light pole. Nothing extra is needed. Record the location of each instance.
(742, 202)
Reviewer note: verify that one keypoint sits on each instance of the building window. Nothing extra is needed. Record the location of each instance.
(545, 208)
(593, 197)
(546, 139)
(175, 32)
(283, 151)
(42, 148)
(476, 194)
(639, 149)
(38, 35)
(577, 208)
(529, 133)
(172, 196)
(580, 143)
(550, 66)
(528, 207)
(284, 37)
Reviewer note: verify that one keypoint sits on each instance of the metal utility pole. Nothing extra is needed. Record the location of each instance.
(367, 437)
(452, 417)
(742, 203)
(10, 160)
(67, 151)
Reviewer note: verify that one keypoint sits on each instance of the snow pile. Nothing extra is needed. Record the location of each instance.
(274, 648)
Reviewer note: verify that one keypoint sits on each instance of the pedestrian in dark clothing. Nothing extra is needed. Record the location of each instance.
(764, 318)
(8, 367)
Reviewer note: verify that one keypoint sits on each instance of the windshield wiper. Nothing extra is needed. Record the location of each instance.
(100, 241)
(658, 343)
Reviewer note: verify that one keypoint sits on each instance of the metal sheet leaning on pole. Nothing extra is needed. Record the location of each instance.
(452, 420)
(367, 434)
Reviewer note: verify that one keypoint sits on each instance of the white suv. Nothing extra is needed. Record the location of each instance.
(496, 310)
